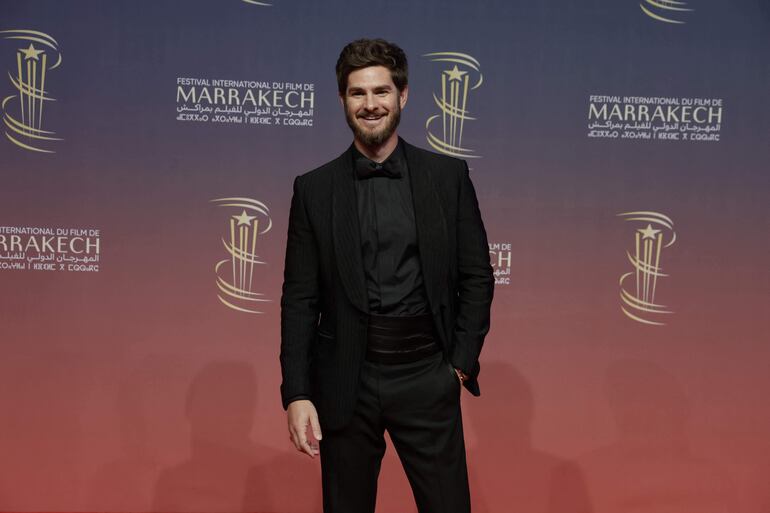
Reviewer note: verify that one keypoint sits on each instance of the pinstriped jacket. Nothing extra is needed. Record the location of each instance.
(324, 304)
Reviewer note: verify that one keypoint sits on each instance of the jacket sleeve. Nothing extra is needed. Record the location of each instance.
(299, 301)
(475, 283)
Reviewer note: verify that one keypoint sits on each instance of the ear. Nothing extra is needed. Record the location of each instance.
(342, 100)
(403, 95)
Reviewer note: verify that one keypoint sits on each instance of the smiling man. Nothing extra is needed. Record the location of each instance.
(386, 299)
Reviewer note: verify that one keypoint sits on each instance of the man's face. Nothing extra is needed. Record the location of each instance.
(373, 105)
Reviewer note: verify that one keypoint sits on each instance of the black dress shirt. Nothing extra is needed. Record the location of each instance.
(391, 259)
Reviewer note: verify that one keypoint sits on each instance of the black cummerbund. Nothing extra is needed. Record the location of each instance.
(400, 339)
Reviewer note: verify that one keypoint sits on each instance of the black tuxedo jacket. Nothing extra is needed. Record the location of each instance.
(324, 306)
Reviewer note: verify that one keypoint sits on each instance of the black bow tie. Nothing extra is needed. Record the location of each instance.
(365, 168)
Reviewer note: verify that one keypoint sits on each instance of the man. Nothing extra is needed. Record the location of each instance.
(386, 298)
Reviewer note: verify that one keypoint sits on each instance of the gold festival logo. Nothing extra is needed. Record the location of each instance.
(28, 77)
(661, 10)
(235, 275)
(447, 136)
(638, 287)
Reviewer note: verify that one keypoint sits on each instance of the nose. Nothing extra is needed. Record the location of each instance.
(370, 103)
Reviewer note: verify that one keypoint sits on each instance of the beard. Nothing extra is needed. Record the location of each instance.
(376, 136)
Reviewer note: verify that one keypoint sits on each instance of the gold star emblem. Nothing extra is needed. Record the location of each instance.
(649, 233)
(455, 73)
(31, 52)
(244, 219)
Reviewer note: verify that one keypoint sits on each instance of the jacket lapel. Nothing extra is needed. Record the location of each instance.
(346, 232)
(430, 222)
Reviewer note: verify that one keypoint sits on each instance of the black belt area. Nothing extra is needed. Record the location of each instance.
(394, 339)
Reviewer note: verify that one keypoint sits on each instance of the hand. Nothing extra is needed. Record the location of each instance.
(463, 377)
(299, 414)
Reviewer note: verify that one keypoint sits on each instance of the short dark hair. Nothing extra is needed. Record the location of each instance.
(363, 53)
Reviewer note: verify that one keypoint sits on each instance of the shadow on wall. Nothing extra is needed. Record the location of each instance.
(125, 483)
(506, 472)
(650, 467)
(226, 471)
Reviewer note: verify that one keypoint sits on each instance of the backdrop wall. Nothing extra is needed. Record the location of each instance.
(620, 153)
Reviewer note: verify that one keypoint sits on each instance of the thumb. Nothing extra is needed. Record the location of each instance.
(315, 425)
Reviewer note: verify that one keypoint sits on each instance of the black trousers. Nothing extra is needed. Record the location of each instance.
(418, 403)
